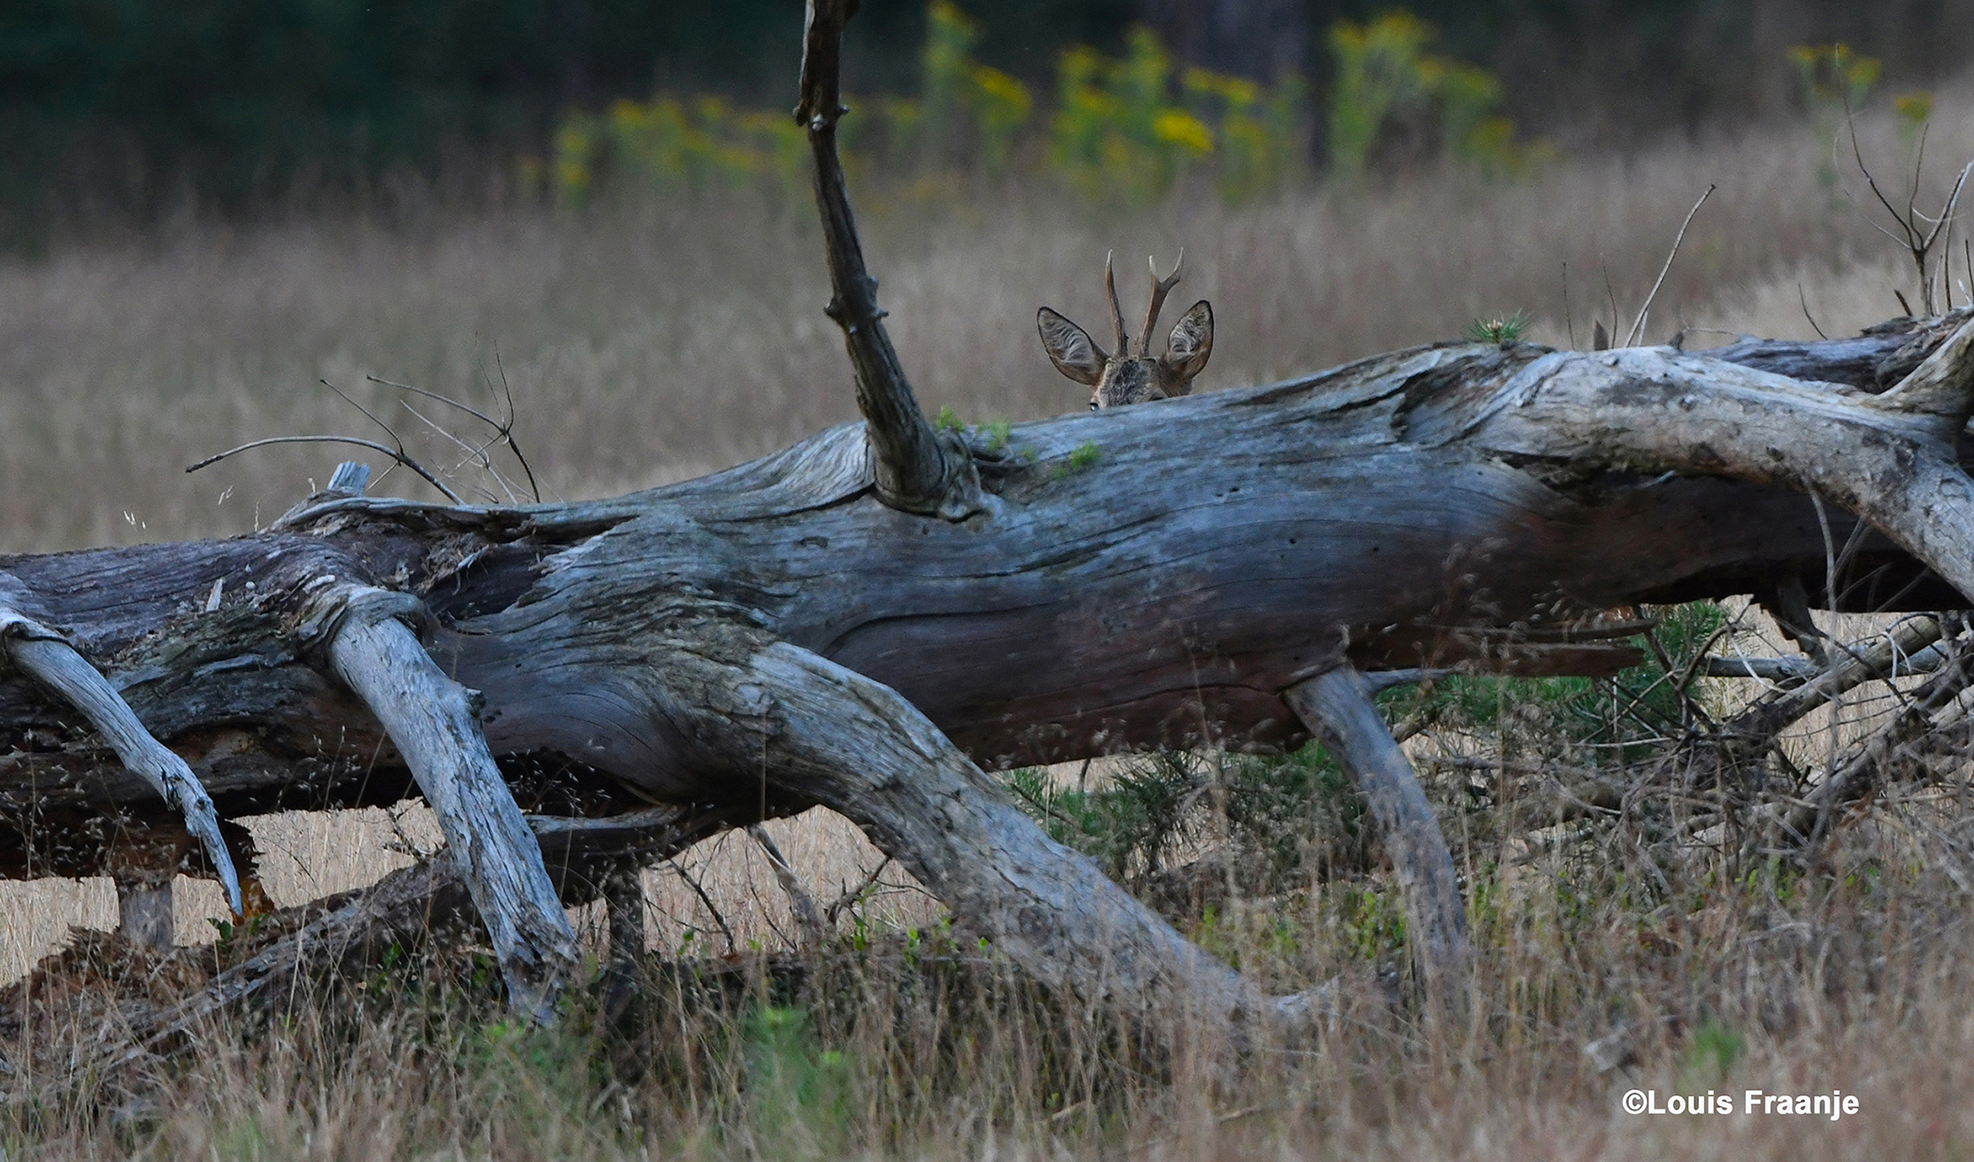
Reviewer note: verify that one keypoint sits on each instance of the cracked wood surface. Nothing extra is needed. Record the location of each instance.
(1218, 550)
(773, 637)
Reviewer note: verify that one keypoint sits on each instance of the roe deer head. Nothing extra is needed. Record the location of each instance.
(1126, 378)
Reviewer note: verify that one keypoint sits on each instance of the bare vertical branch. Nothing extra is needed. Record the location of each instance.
(1569, 319)
(1804, 300)
(916, 470)
(1918, 233)
(1947, 213)
(1611, 295)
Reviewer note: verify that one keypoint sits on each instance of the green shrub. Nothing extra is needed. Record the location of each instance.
(1385, 77)
(1835, 83)
(1123, 132)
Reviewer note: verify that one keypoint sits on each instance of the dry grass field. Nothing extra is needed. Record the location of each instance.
(647, 342)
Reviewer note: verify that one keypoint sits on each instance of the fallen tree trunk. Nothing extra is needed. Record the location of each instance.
(867, 619)
(1462, 505)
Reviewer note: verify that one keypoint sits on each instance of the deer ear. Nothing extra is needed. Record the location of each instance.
(1191, 341)
(1070, 348)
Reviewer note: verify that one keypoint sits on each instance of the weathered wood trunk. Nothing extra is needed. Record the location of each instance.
(1159, 575)
(867, 619)
(1135, 563)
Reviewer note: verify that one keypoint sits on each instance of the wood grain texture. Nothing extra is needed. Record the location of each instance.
(847, 742)
(1218, 549)
(775, 636)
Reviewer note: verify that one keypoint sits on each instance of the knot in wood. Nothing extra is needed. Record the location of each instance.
(332, 605)
(17, 614)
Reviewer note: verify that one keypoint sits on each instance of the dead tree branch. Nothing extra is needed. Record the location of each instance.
(1645, 311)
(807, 921)
(49, 659)
(397, 454)
(1883, 657)
(434, 722)
(503, 428)
(1337, 707)
(1855, 776)
(917, 469)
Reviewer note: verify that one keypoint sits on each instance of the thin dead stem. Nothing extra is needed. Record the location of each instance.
(1638, 324)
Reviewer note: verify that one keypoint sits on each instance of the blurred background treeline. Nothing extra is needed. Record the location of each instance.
(122, 111)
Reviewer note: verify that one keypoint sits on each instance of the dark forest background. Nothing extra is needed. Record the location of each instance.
(138, 104)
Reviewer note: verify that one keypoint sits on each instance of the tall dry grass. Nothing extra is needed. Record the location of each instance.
(646, 342)
(1786, 985)
(649, 341)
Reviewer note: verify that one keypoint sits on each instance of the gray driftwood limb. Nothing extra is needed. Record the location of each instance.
(1904, 650)
(808, 921)
(1861, 771)
(1790, 670)
(857, 747)
(51, 661)
(1337, 707)
(434, 723)
(1891, 458)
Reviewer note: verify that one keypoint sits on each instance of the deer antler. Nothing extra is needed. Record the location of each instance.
(1116, 312)
(1160, 288)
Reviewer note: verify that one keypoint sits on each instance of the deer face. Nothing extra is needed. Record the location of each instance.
(1127, 378)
